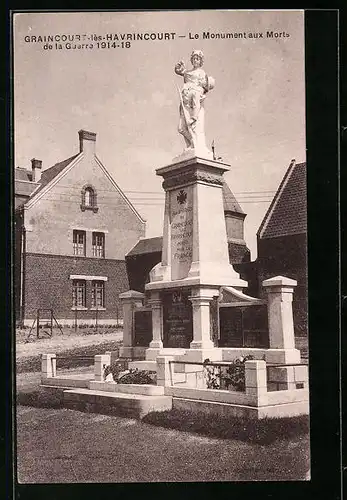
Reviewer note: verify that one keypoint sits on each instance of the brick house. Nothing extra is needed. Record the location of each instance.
(73, 228)
(282, 240)
(147, 252)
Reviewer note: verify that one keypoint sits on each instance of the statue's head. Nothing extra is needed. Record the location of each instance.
(197, 57)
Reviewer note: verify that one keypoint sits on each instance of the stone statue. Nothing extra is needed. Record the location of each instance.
(192, 96)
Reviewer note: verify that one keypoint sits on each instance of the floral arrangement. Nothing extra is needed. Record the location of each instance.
(118, 372)
(231, 377)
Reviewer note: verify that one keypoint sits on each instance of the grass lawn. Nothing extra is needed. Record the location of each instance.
(61, 445)
(55, 444)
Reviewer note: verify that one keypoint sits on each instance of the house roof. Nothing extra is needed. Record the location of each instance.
(147, 245)
(230, 203)
(51, 172)
(287, 212)
(23, 174)
(23, 185)
(24, 188)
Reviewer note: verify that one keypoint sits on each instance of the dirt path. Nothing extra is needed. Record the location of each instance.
(60, 343)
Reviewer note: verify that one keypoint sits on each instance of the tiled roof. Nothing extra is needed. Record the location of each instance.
(23, 185)
(24, 188)
(287, 212)
(147, 245)
(50, 173)
(230, 203)
(22, 174)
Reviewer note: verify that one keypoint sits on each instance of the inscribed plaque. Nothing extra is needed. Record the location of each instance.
(181, 217)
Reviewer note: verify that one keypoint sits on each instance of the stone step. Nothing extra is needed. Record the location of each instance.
(143, 365)
(122, 404)
(77, 380)
(151, 355)
(145, 389)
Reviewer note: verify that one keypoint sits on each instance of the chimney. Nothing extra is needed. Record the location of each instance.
(36, 166)
(87, 142)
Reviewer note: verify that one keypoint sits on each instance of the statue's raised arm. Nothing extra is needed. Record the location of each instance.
(195, 87)
(180, 68)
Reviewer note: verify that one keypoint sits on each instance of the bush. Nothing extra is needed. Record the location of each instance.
(138, 377)
(116, 368)
(132, 376)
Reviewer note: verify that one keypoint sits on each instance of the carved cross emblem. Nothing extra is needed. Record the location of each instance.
(182, 197)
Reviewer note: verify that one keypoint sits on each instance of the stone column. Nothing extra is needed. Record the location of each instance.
(280, 318)
(130, 300)
(155, 303)
(201, 298)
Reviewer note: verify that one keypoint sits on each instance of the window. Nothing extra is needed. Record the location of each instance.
(89, 199)
(98, 294)
(98, 244)
(79, 243)
(78, 293)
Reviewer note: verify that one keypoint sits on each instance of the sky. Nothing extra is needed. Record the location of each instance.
(128, 96)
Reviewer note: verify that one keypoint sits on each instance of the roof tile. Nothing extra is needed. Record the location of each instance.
(289, 215)
(147, 245)
(50, 173)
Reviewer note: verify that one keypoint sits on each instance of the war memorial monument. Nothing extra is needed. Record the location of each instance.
(193, 294)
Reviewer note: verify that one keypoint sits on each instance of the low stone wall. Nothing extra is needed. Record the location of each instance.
(242, 411)
(65, 381)
(219, 396)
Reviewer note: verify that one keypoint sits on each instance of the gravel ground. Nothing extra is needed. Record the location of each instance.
(60, 343)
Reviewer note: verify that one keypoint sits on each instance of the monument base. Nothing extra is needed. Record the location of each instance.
(285, 356)
(204, 281)
(189, 153)
(135, 352)
(198, 355)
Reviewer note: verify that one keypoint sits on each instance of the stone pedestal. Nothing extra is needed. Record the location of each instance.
(280, 317)
(195, 250)
(131, 301)
(195, 247)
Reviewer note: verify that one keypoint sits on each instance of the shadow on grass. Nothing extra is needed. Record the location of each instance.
(33, 363)
(40, 398)
(264, 431)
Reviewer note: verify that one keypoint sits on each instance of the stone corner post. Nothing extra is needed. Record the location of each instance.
(100, 363)
(280, 292)
(48, 365)
(165, 370)
(256, 381)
